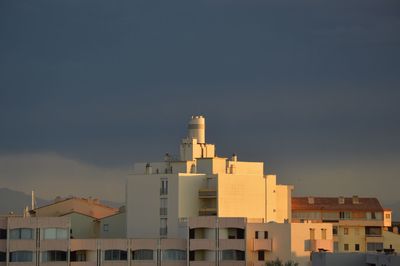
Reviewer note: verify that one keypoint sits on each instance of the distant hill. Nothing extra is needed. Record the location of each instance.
(16, 201)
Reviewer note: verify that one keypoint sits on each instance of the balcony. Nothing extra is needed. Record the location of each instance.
(232, 263)
(211, 211)
(316, 244)
(262, 244)
(207, 193)
(361, 222)
(83, 263)
(202, 244)
(232, 244)
(202, 263)
(374, 238)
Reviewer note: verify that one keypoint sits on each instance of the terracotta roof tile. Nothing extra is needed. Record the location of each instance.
(332, 204)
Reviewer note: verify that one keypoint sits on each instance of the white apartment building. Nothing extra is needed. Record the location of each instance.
(199, 183)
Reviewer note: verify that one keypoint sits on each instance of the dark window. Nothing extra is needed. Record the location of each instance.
(256, 235)
(334, 230)
(265, 234)
(54, 255)
(191, 255)
(232, 255)
(375, 231)
(3, 234)
(357, 247)
(372, 246)
(79, 255)
(2, 256)
(261, 255)
(142, 254)
(240, 233)
(346, 247)
(191, 234)
(21, 256)
(115, 254)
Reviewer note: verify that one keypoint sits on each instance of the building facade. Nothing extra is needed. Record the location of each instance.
(199, 183)
(358, 223)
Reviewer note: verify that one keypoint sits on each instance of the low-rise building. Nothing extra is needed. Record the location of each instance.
(358, 223)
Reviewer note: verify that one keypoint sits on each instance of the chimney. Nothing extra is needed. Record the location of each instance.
(310, 200)
(341, 200)
(356, 199)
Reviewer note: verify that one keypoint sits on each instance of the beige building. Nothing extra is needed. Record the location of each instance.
(358, 223)
(209, 240)
(85, 215)
(199, 183)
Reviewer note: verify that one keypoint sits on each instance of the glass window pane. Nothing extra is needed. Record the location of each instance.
(26, 233)
(15, 234)
(50, 233)
(62, 233)
(142, 254)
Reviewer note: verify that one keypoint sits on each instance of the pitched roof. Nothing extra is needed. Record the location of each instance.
(332, 204)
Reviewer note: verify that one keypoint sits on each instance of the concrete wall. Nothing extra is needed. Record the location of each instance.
(113, 226)
(335, 259)
(188, 200)
(143, 206)
(391, 239)
(241, 196)
(83, 226)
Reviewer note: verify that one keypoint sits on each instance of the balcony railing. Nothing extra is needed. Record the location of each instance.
(262, 244)
(207, 211)
(207, 193)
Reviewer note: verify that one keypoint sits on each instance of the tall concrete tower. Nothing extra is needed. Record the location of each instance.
(197, 129)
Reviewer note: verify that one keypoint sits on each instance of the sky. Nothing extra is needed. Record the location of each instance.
(311, 88)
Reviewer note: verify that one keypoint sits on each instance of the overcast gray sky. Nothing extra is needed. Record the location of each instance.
(310, 87)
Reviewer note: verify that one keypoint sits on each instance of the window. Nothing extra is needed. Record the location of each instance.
(174, 254)
(357, 247)
(373, 231)
(192, 233)
(79, 255)
(164, 187)
(335, 246)
(21, 233)
(256, 235)
(54, 255)
(373, 215)
(2, 256)
(142, 254)
(235, 233)
(265, 234)
(232, 255)
(387, 215)
(334, 230)
(345, 231)
(105, 227)
(163, 206)
(261, 255)
(346, 247)
(3, 234)
(163, 227)
(323, 233)
(21, 256)
(115, 254)
(344, 215)
(312, 233)
(55, 233)
(374, 246)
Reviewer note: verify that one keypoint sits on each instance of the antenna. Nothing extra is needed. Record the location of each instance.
(33, 200)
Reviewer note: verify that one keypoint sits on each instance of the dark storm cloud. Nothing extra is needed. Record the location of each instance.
(292, 83)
